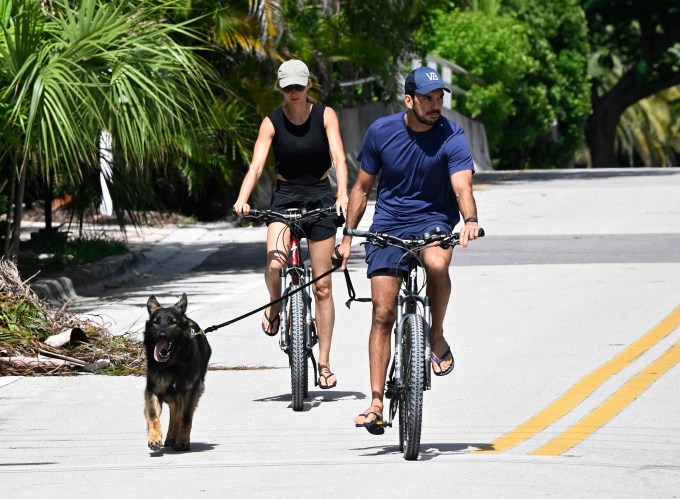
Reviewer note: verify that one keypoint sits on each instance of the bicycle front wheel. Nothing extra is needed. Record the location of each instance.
(297, 354)
(413, 376)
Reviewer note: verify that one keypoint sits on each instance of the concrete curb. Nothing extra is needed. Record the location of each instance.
(57, 290)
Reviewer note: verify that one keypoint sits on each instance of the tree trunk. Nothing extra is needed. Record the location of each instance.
(48, 198)
(607, 111)
(17, 215)
(10, 204)
(601, 135)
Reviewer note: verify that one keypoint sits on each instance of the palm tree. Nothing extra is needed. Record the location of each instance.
(72, 69)
(648, 131)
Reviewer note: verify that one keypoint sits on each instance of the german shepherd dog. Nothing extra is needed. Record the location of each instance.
(177, 354)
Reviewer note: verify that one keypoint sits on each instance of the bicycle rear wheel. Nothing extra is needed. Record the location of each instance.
(297, 354)
(413, 376)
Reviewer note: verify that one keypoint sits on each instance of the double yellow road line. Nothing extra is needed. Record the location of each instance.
(586, 386)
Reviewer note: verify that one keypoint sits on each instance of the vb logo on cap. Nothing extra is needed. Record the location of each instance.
(423, 81)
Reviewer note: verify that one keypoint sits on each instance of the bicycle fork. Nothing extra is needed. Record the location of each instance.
(395, 384)
(293, 273)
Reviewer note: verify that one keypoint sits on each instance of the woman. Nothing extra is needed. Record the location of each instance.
(306, 140)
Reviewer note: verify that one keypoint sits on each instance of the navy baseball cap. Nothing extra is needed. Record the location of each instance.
(423, 81)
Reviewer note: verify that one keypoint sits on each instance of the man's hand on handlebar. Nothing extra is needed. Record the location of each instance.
(343, 250)
(469, 232)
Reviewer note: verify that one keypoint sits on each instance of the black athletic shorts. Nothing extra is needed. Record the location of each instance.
(317, 195)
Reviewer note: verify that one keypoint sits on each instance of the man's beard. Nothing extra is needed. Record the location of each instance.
(422, 119)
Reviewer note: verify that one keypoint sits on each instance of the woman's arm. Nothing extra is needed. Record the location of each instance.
(260, 152)
(332, 126)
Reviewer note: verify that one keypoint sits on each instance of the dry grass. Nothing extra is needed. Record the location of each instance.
(26, 322)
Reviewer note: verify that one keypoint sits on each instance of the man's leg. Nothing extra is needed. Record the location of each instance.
(384, 290)
(436, 261)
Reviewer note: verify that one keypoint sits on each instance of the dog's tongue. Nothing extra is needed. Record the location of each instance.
(160, 347)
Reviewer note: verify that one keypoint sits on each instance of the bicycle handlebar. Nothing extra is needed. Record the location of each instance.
(294, 215)
(383, 239)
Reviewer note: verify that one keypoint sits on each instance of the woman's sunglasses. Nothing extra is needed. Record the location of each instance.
(290, 88)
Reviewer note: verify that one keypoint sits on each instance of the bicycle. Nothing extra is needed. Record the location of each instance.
(410, 372)
(298, 327)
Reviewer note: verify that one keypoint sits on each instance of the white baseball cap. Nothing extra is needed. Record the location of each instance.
(293, 72)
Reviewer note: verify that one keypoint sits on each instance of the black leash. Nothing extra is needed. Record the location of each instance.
(336, 261)
(283, 297)
(350, 291)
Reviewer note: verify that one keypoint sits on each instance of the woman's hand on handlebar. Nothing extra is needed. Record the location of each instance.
(242, 209)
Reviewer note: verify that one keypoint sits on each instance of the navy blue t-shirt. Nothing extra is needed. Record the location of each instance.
(416, 168)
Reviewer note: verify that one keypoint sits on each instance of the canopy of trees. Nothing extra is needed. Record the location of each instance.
(635, 53)
(528, 83)
(182, 85)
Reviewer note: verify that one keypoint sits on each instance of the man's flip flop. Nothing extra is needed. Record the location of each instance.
(272, 331)
(374, 427)
(439, 361)
(325, 377)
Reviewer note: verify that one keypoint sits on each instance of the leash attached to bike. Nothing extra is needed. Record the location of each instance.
(336, 261)
(283, 297)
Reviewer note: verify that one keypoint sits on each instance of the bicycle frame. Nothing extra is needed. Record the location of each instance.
(297, 327)
(298, 274)
(407, 302)
(411, 370)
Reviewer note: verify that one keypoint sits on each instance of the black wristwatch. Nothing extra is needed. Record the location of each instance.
(471, 219)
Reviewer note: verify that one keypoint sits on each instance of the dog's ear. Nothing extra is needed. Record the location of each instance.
(152, 305)
(181, 305)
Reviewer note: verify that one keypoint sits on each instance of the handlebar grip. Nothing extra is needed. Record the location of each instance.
(355, 232)
(255, 213)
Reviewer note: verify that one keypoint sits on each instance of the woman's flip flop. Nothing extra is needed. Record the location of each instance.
(272, 331)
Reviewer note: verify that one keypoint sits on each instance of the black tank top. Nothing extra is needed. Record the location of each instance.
(301, 151)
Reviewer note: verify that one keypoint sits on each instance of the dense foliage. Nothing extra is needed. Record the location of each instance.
(70, 70)
(635, 54)
(528, 80)
(183, 84)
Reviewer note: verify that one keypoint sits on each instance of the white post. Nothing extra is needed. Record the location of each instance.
(447, 76)
(105, 162)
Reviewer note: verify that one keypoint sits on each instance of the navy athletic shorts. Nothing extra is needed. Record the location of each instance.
(318, 195)
(388, 261)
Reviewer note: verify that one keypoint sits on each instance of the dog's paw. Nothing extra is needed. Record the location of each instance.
(155, 445)
(181, 446)
(169, 442)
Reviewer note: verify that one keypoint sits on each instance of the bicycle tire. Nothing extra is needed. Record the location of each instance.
(413, 375)
(308, 348)
(297, 354)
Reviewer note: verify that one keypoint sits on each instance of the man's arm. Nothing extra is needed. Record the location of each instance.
(358, 199)
(462, 186)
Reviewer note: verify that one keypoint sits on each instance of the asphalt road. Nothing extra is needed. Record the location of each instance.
(565, 326)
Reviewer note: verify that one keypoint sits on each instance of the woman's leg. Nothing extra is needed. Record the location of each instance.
(278, 242)
(320, 253)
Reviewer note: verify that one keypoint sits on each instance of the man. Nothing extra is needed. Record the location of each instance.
(426, 182)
